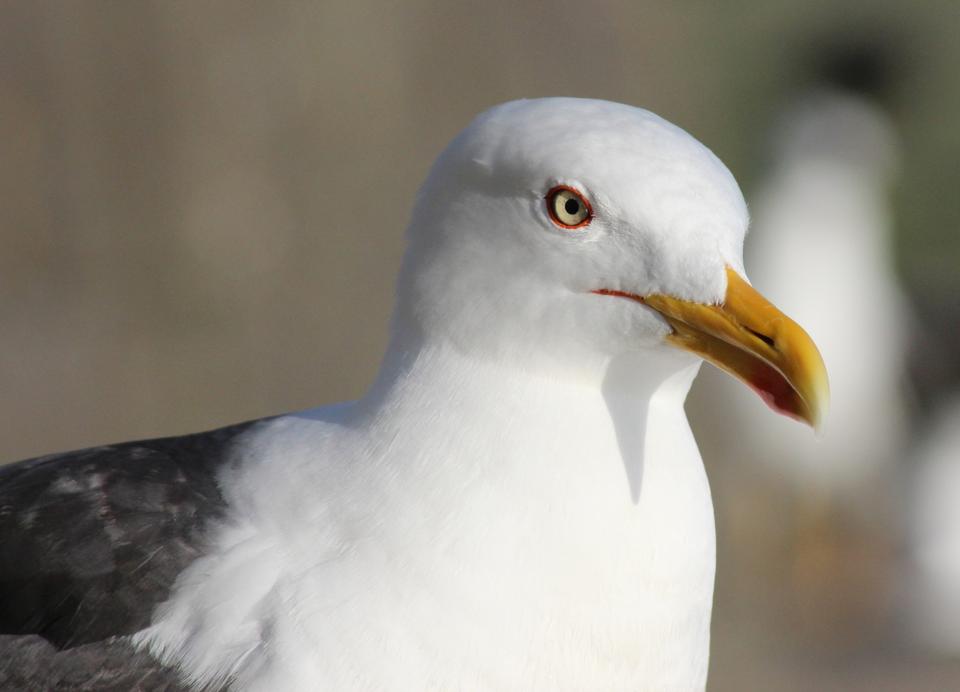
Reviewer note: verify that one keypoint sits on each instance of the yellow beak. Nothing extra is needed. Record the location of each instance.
(752, 340)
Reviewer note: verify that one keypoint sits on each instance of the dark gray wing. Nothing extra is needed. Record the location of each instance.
(30, 662)
(91, 541)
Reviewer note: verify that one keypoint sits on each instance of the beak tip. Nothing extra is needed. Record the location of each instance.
(816, 424)
(820, 403)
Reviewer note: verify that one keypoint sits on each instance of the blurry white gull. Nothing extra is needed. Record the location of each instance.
(821, 248)
(517, 503)
(932, 589)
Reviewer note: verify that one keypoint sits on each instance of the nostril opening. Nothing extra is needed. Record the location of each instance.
(763, 337)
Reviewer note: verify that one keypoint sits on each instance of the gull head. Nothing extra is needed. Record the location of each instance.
(560, 233)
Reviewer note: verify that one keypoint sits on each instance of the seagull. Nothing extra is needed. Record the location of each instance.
(932, 585)
(825, 214)
(820, 247)
(516, 503)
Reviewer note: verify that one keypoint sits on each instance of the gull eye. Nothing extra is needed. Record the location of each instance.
(568, 208)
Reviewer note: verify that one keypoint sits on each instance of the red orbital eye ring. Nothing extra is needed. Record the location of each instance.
(568, 208)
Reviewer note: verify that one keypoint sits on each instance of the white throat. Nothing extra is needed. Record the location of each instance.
(491, 529)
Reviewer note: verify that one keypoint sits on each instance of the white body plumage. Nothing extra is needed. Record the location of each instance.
(440, 557)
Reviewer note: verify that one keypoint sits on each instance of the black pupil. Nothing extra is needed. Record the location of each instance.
(571, 206)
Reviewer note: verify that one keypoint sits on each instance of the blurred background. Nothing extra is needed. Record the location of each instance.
(202, 216)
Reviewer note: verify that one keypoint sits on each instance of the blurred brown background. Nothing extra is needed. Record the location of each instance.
(203, 208)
